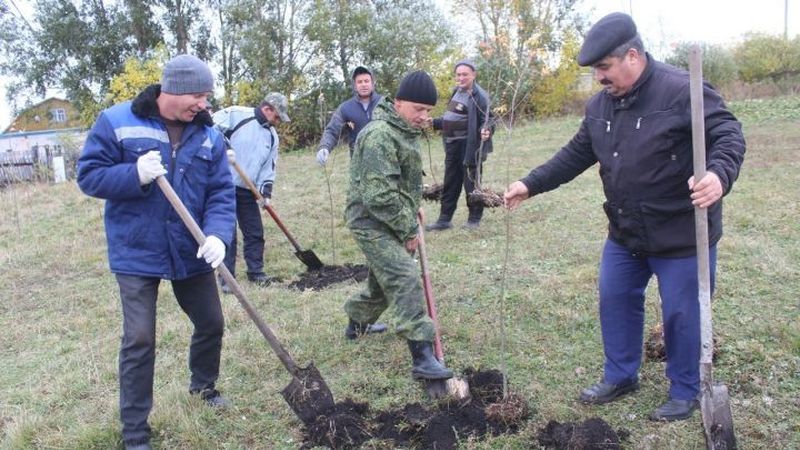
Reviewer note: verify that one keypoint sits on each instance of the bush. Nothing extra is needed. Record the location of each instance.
(719, 65)
(762, 57)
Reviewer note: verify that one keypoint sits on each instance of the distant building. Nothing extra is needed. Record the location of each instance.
(47, 129)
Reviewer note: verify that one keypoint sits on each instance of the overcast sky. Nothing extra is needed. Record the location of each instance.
(661, 23)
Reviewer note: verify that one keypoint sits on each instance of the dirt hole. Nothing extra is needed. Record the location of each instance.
(320, 279)
(440, 425)
(591, 434)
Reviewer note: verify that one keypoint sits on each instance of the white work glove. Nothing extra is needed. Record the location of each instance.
(149, 167)
(322, 156)
(213, 251)
(231, 156)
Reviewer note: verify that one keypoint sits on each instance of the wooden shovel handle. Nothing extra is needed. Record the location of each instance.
(191, 224)
(701, 214)
(268, 208)
(428, 288)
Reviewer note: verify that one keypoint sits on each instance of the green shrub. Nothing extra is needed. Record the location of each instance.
(719, 65)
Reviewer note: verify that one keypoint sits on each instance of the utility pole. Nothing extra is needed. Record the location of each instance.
(786, 20)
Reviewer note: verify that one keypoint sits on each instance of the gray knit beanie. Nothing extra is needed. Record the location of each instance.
(186, 74)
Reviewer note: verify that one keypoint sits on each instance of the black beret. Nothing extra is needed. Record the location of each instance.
(607, 34)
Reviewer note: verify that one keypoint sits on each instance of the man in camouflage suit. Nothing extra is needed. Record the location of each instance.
(382, 203)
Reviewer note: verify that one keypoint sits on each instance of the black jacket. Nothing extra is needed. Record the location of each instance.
(476, 116)
(643, 142)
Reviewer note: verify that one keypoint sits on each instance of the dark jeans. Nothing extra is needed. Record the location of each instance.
(199, 299)
(457, 174)
(623, 280)
(248, 216)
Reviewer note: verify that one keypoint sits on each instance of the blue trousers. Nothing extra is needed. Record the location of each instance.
(199, 299)
(623, 280)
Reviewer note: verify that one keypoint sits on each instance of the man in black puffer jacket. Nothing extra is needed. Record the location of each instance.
(639, 131)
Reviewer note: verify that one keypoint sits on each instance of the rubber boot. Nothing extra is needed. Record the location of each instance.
(425, 365)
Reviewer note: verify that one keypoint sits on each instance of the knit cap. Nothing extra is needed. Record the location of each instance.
(417, 87)
(186, 74)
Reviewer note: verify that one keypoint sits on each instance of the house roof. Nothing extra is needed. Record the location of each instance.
(14, 126)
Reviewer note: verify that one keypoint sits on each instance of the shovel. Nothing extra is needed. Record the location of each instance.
(715, 405)
(307, 257)
(455, 387)
(308, 395)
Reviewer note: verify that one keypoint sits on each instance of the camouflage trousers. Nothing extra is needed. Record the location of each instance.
(393, 282)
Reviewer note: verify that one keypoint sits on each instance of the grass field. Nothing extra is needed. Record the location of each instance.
(60, 314)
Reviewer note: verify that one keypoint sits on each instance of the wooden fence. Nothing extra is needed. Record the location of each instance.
(35, 164)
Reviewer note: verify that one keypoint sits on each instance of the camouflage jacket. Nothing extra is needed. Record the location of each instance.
(386, 175)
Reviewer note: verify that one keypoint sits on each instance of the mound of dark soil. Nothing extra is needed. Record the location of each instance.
(320, 279)
(591, 434)
(441, 426)
(487, 197)
(432, 192)
(341, 427)
(485, 386)
(414, 426)
(655, 350)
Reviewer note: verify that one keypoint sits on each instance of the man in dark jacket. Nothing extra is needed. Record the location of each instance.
(639, 131)
(352, 115)
(466, 145)
(382, 203)
(166, 131)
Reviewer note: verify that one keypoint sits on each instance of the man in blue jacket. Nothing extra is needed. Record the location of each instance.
(253, 138)
(638, 128)
(352, 115)
(166, 131)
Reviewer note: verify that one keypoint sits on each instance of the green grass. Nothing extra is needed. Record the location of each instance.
(60, 317)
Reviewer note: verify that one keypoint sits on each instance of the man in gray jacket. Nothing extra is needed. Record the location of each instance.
(251, 134)
(464, 138)
(352, 115)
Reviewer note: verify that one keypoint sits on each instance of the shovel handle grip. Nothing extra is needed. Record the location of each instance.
(191, 224)
(428, 289)
(250, 185)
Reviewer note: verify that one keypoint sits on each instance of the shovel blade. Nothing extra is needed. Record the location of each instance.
(436, 389)
(452, 387)
(722, 434)
(717, 419)
(310, 259)
(308, 395)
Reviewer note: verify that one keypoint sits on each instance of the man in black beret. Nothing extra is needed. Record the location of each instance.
(638, 128)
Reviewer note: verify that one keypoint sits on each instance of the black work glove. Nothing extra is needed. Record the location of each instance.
(266, 189)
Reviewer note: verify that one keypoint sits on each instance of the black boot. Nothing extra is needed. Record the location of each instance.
(426, 366)
(355, 329)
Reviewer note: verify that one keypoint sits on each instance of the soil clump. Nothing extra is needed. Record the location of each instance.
(320, 279)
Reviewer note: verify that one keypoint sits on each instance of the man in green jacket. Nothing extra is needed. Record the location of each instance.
(382, 203)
